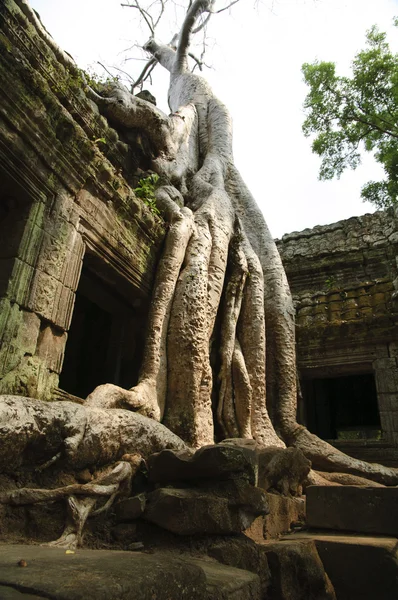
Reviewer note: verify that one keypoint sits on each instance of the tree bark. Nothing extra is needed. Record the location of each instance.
(228, 269)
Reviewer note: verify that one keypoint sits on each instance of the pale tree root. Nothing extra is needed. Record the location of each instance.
(81, 499)
(149, 395)
(325, 457)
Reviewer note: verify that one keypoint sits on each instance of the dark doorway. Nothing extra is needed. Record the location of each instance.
(105, 339)
(342, 407)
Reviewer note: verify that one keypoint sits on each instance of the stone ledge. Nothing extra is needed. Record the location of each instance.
(350, 508)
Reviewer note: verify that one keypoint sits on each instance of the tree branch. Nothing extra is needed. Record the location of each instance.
(197, 8)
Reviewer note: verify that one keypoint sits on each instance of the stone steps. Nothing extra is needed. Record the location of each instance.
(355, 532)
(117, 575)
(360, 567)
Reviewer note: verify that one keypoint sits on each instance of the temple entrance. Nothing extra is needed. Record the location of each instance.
(342, 407)
(105, 340)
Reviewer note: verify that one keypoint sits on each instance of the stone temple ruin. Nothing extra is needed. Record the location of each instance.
(78, 255)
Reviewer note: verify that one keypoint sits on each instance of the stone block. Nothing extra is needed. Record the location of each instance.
(351, 508)
(228, 583)
(297, 572)
(51, 347)
(285, 514)
(29, 331)
(55, 251)
(220, 461)
(243, 553)
(63, 309)
(43, 295)
(130, 508)
(103, 574)
(63, 205)
(73, 266)
(51, 300)
(363, 568)
(20, 283)
(195, 511)
(125, 533)
(30, 244)
(282, 469)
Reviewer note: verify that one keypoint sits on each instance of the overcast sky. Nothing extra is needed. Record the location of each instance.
(256, 56)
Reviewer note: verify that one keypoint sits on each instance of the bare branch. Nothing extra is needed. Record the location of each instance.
(146, 72)
(197, 8)
(216, 12)
(198, 62)
(145, 15)
(105, 69)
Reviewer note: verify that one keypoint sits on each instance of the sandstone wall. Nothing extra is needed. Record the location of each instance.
(344, 280)
(62, 198)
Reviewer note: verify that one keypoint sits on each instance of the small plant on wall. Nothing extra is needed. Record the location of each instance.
(146, 191)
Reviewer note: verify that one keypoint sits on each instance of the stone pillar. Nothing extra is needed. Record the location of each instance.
(386, 375)
(38, 300)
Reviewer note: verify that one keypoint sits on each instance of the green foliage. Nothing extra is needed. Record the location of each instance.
(349, 114)
(330, 282)
(146, 191)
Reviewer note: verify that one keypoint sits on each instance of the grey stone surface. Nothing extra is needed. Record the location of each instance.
(351, 508)
(284, 514)
(10, 593)
(241, 552)
(113, 575)
(210, 462)
(282, 469)
(191, 511)
(360, 567)
(130, 508)
(100, 574)
(297, 572)
(228, 583)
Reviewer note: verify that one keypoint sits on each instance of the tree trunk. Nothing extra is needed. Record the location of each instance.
(220, 264)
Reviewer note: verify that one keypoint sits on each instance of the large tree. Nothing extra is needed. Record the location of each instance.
(220, 348)
(351, 114)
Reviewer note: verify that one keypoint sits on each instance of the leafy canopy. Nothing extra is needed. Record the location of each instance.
(348, 115)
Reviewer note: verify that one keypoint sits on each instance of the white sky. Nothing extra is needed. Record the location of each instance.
(256, 57)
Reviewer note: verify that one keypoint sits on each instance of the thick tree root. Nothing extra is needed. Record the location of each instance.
(325, 457)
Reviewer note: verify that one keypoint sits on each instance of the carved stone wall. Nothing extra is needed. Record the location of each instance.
(344, 280)
(63, 199)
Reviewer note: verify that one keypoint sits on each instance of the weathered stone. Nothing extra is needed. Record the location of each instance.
(100, 574)
(228, 583)
(243, 553)
(191, 511)
(351, 508)
(9, 593)
(125, 533)
(282, 469)
(130, 508)
(210, 462)
(363, 568)
(297, 572)
(284, 514)
(50, 347)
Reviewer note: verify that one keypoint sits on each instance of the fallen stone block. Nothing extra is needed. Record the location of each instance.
(297, 572)
(191, 511)
(243, 553)
(351, 508)
(130, 508)
(218, 462)
(228, 583)
(100, 574)
(283, 470)
(285, 513)
(359, 567)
